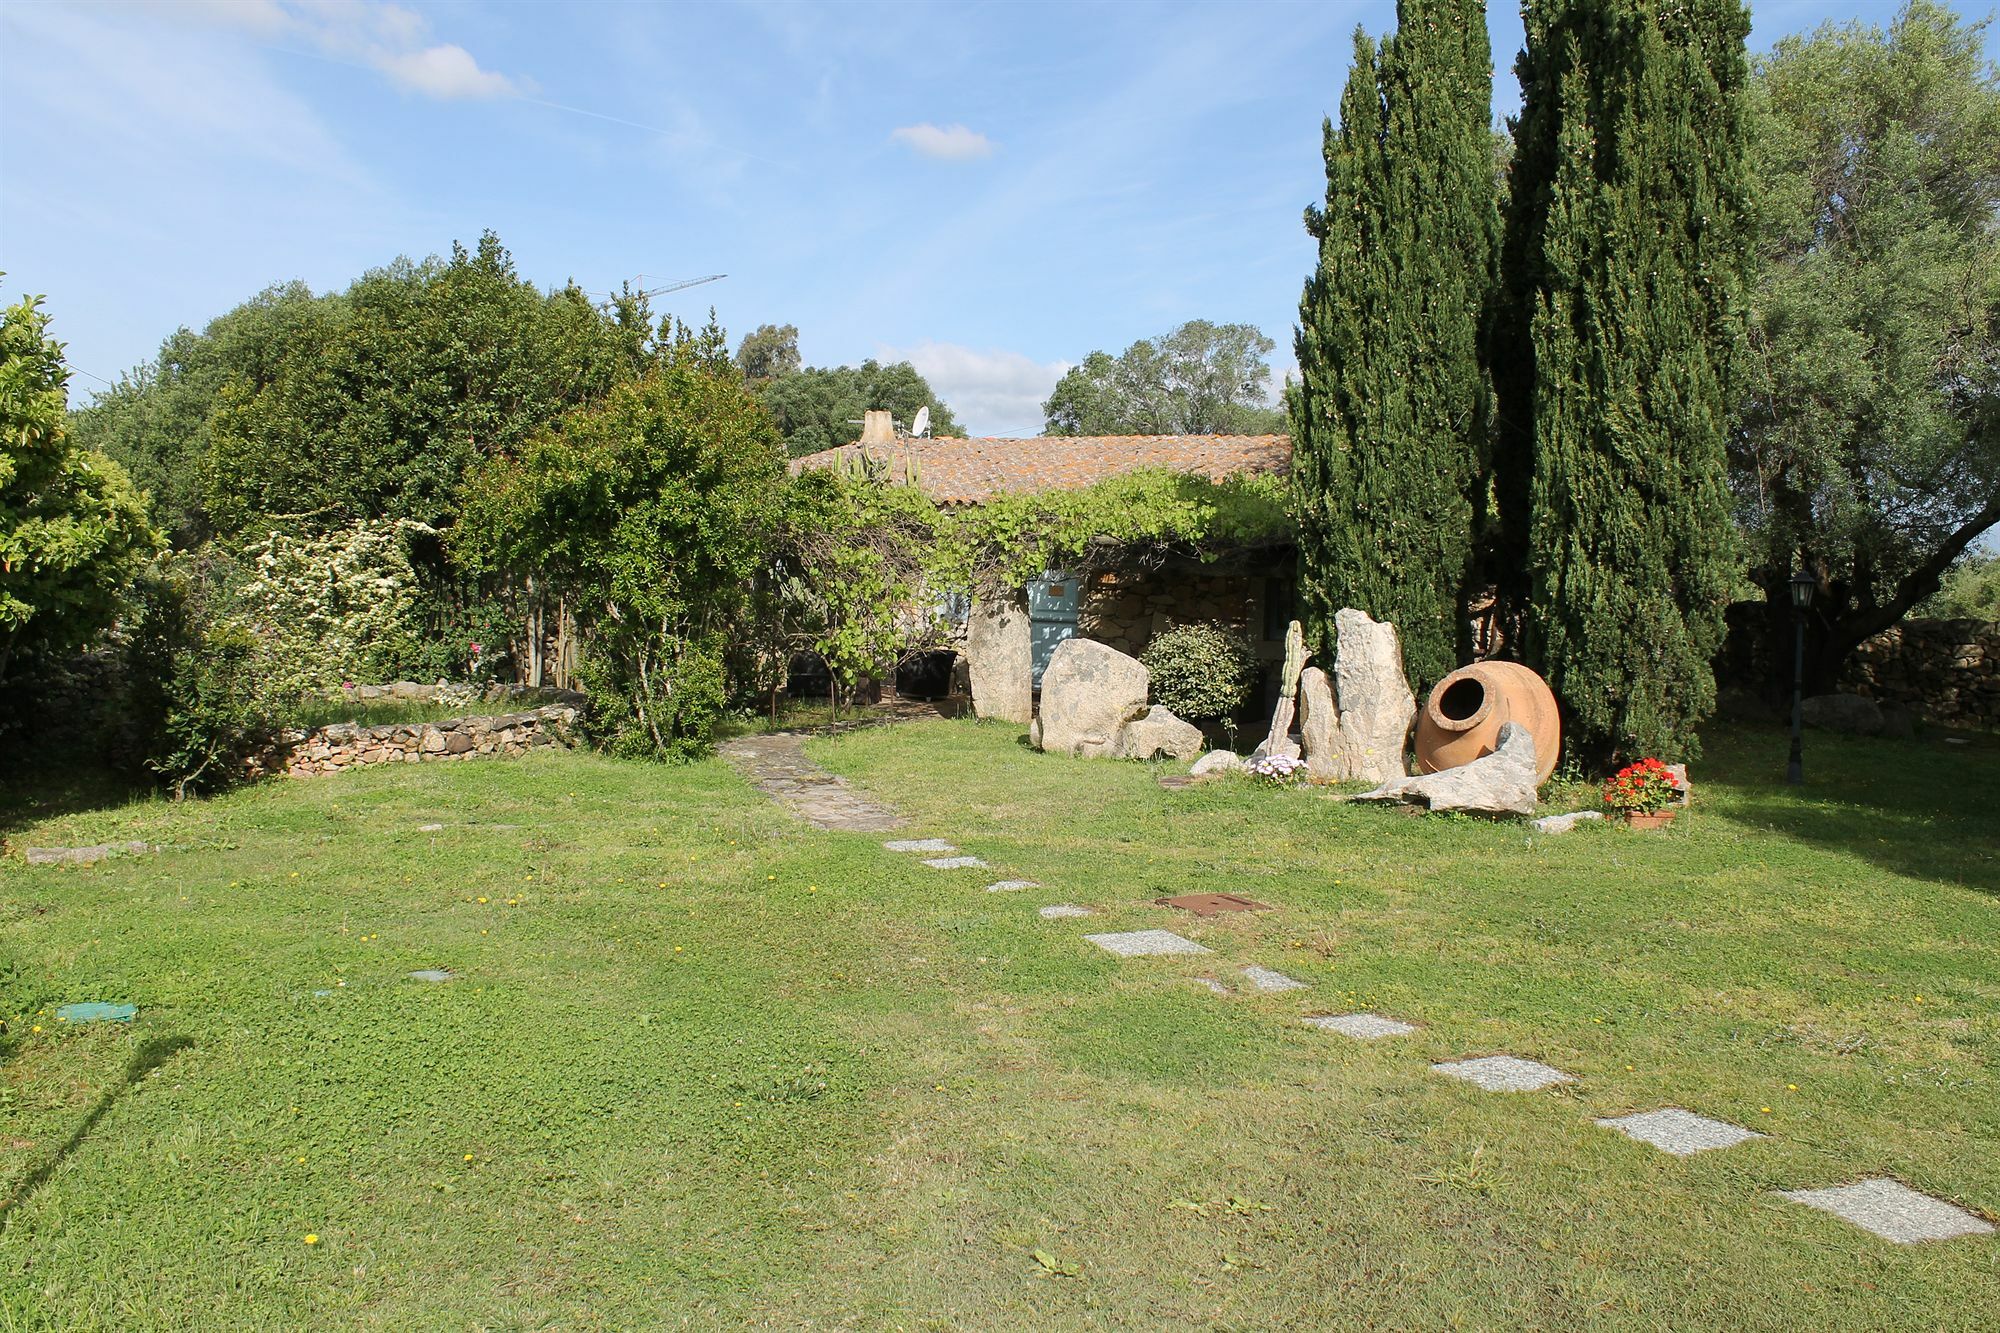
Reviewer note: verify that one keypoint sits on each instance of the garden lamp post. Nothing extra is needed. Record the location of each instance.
(1803, 584)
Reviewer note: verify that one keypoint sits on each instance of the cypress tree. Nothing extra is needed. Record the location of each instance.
(1391, 411)
(1627, 261)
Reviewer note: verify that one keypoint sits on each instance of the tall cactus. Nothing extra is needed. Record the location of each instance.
(1279, 741)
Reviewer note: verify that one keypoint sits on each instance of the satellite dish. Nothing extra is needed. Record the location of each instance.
(922, 426)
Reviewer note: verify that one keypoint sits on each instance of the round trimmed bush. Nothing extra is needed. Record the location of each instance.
(1202, 672)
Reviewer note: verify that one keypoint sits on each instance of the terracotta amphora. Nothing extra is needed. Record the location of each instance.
(1462, 719)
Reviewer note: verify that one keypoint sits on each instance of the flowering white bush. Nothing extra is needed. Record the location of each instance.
(1280, 769)
(331, 607)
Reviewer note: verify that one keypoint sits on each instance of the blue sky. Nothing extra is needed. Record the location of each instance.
(990, 190)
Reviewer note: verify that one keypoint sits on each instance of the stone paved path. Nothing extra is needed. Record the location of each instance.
(776, 765)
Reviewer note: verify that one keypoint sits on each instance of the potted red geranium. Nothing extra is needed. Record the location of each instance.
(1645, 792)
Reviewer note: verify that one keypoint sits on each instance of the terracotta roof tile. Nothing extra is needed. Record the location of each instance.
(971, 471)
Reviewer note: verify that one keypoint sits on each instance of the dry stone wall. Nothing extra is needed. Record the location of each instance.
(1944, 670)
(346, 745)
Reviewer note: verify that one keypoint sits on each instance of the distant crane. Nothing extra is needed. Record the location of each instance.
(670, 287)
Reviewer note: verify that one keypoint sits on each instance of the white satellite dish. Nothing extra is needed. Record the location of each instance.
(922, 426)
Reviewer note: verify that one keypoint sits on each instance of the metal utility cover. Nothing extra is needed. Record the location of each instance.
(96, 1011)
(1214, 904)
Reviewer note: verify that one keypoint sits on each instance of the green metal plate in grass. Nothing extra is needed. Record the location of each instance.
(96, 1011)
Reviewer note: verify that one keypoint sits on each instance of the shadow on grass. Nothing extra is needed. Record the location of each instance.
(152, 1052)
(29, 796)
(1921, 808)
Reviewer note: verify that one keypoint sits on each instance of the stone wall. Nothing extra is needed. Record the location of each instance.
(1944, 670)
(345, 745)
(416, 692)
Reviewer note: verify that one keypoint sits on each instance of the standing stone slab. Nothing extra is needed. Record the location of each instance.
(1090, 691)
(1145, 943)
(1377, 708)
(1504, 1073)
(1361, 1027)
(999, 652)
(1263, 978)
(1893, 1211)
(955, 863)
(1319, 727)
(1682, 1133)
(918, 845)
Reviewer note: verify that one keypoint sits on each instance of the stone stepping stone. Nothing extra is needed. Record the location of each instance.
(1212, 984)
(918, 845)
(1145, 943)
(1263, 978)
(430, 828)
(1061, 910)
(1682, 1133)
(955, 863)
(96, 1011)
(1361, 1027)
(1011, 885)
(433, 974)
(82, 856)
(1892, 1210)
(1503, 1073)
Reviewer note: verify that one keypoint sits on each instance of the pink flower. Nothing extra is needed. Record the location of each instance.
(475, 647)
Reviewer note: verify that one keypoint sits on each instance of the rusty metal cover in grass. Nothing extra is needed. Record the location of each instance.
(1214, 904)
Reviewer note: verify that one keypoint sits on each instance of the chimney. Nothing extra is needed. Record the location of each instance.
(878, 427)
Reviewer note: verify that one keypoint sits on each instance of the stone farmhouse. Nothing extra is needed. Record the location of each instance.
(1123, 598)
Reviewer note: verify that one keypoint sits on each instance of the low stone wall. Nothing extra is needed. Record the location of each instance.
(1944, 670)
(417, 692)
(345, 745)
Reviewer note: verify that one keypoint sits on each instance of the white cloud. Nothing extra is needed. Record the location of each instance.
(950, 143)
(444, 72)
(990, 392)
(385, 37)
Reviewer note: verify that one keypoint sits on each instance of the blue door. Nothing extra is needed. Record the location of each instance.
(1052, 603)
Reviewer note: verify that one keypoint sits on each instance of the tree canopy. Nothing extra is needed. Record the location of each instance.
(820, 407)
(1199, 379)
(73, 530)
(1869, 445)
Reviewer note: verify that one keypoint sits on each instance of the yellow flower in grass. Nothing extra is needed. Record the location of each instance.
(312, 1238)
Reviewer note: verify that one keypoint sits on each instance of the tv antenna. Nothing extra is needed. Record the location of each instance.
(922, 425)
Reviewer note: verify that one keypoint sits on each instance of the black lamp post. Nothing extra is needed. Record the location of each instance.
(1803, 584)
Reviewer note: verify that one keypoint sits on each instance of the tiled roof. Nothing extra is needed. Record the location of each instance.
(972, 471)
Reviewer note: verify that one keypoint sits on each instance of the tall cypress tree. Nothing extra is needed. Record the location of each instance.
(1390, 415)
(1627, 258)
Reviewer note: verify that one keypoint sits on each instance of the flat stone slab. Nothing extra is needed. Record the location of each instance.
(1361, 1027)
(430, 828)
(1504, 1073)
(1263, 978)
(81, 856)
(433, 974)
(955, 863)
(1212, 984)
(918, 845)
(1061, 910)
(1682, 1133)
(1011, 885)
(1893, 1211)
(776, 765)
(1564, 823)
(1145, 943)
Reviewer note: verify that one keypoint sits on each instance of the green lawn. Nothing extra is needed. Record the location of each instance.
(705, 1067)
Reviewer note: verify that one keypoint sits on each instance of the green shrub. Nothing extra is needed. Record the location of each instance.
(197, 694)
(1201, 672)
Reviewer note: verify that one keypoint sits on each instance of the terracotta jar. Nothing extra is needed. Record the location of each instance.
(1462, 719)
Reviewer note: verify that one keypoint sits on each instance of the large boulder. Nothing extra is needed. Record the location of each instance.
(1501, 783)
(1089, 692)
(1160, 734)
(1376, 705)
(1851, 714)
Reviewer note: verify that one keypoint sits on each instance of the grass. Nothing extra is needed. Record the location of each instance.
(705, 1067)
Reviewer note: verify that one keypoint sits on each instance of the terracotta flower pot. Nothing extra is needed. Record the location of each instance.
(1462, 718)
(1643, 819)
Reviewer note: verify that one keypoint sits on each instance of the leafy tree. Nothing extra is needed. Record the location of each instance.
(657, 510)
(1200, 379)
(1971, 591)
(769, 353)
(1390, 415)
(369, 403)
(73, 530)
(820, 407)
(1629, 218)
(1870, 437)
